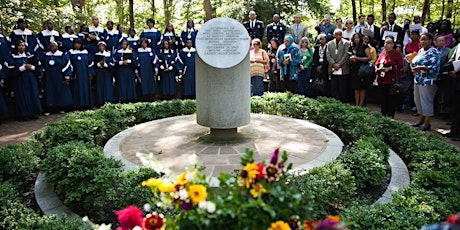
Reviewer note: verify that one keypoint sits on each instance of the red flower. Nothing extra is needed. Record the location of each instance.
(261, 173)
(129, 218)
(453, 219)
(153, 222)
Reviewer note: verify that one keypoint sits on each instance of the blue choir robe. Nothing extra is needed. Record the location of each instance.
(56, 67)
(189, 34)
(112, 40)
(154, 38)
(3, 107)
(28, 37)
(167, 67)
(101, 35)
(122, 37)
(170, 36)
(134, 42)
(25, 84)
(84, 39)
(4, 48)
(146, 64)
(67, 41)
(104, 78)
(187, 65)
(47, 36)
(80, 86)
(125, 77)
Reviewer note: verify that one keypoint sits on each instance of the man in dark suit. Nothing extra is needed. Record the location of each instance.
(276, 29)
(375, 40)
(395, 28)
(254, 27)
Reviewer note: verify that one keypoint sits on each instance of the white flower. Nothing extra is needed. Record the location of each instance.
(203, 205)
(137, 228)
(193, 159)
(85, 219)
(183, 194)
(147, 207)
(159, 204)
(104, 227)
(191, 175)
(211, 207)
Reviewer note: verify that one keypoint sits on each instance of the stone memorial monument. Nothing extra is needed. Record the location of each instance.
(223, 77)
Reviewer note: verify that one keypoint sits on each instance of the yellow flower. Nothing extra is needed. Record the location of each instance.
(279, 225)
(166, 187)
(197, 193)
(152, 182)
(257, 190)
(181, 179)
(249, 174)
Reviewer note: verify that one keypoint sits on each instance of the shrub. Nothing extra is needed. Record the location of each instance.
(366, 163)
(84, 177)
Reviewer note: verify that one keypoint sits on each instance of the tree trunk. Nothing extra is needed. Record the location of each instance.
(353, 7)
(443, 7)
(450, 4)
(207, 9)
(360, 7)
(384, 10)
(426, 6)
(167, 10)
(131, 13)
(153, 8)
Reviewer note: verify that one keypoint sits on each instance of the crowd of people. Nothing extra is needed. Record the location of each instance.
(410, 66)
(50, 72)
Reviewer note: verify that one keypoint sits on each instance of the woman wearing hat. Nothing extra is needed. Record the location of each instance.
(56, 76)
(104, 78)
(289, 59)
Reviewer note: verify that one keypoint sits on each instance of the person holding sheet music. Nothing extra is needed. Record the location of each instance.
(187, 70)
(125, 62)
(104, 79)
(147, 70)
(167, 64)
(339, 67)
(395, 30)
(83, 70)
(24, 70)
(289, 60)
(57, 72)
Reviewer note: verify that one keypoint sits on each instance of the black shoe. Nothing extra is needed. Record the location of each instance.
(424, 128)
(417, 124)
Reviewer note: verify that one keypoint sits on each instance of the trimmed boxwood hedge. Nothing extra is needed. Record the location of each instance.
(431, 196)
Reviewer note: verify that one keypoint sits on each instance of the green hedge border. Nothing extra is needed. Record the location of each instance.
(433, 164)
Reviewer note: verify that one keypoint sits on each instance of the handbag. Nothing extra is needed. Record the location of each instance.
(366, 71)
(319, 85)
(397, 88)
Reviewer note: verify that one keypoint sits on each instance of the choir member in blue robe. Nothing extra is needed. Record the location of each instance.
(104, 79)
(96, 33)
(48, 35)
(187, 70)
(171, 36)
(153, 35)
(83, 35)
(125, 61)
(167, 64)
(24, 34)
(3, 107)
(67, 39)
(147, 70)
(57, 73)
(189, 33)
(112, 38)
(80, 85)
(133, 40)
(4, 47)
(24, 69)
(122, 36)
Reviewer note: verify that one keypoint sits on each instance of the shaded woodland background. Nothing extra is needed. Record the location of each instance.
(132, 13)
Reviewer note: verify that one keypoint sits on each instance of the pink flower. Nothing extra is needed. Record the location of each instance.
(453, 219)
(129, 218)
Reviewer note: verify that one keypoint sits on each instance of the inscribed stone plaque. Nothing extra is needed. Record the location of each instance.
(222, 42)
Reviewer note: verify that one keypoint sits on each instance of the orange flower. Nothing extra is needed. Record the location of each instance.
(334, 218)
(309, 224)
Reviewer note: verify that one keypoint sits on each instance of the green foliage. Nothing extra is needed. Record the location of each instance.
(129, 190)
(83, 176)
(366, 162)
(19, 163)
(61, 223)
(330, 186)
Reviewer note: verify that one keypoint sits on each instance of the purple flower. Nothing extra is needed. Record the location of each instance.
(187, 206)
(275, 156)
